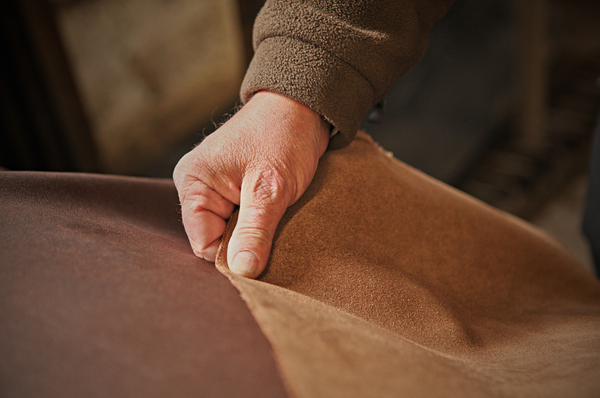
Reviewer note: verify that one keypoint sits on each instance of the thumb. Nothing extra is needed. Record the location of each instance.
(261, 207)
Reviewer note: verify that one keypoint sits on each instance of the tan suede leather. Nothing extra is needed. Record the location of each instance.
(338, 57)
(385, 282)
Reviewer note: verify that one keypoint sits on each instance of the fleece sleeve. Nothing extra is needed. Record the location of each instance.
(338, 57)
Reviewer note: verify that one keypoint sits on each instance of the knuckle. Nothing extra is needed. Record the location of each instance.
(189, 195)
(270, 187)
(207, 193)
(198, 201)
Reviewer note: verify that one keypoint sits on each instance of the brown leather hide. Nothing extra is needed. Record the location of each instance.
(385, 282)
(382, 282)
(101, 295)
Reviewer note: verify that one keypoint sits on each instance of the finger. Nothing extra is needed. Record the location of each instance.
(203, 214)
(261, 207)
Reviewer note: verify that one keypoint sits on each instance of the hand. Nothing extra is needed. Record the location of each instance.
(262, 160)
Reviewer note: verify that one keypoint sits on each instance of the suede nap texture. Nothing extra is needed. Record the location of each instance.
(101, 296)
(338, 57)
(384, 282)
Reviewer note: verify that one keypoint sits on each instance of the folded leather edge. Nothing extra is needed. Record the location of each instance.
(237, 282)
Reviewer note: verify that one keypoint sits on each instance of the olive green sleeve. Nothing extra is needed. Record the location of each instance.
(338, 57)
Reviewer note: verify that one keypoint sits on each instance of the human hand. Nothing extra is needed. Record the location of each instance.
(262, 160)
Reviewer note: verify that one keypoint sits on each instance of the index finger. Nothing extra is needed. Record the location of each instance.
(204, 212)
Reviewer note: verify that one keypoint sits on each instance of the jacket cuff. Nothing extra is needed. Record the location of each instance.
(314, 77)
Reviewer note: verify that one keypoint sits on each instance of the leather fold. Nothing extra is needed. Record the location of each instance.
(385, 282)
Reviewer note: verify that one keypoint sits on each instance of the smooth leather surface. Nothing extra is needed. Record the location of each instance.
(101, 295)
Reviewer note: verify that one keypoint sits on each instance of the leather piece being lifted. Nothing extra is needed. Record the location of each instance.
(385, 282)
(101, 295)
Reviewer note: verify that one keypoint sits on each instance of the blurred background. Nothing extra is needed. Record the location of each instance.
(502, 106)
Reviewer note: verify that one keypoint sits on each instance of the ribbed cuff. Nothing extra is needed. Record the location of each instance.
(314, 77)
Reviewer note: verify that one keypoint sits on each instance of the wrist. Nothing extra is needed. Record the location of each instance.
(321, 128)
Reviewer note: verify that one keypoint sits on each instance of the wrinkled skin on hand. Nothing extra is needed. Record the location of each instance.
(262, 160)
